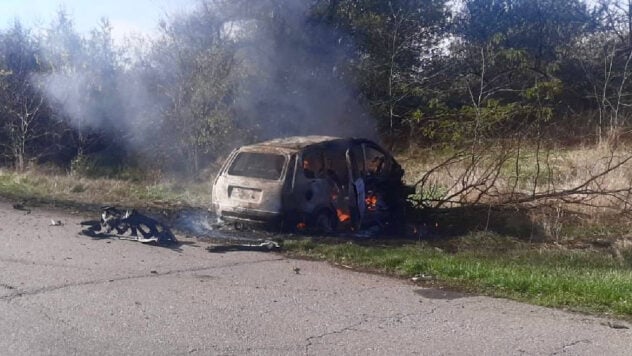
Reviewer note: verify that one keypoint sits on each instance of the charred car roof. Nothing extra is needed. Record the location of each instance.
(297, 143)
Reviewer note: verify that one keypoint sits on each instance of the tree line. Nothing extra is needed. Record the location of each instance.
(409, 72)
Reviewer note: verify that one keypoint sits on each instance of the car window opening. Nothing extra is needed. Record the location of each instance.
(258, 165)
(313, 165)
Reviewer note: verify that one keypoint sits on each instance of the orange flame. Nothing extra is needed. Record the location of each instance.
(301, 226)
(371, 202)
(342, 216)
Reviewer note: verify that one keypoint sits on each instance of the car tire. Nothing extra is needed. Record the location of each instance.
(325, 222)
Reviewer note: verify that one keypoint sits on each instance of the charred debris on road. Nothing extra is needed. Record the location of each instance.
(128, 224)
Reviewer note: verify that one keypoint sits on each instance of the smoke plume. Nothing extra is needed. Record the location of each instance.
(228, 73)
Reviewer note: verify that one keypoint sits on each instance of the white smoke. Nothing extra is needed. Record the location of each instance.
(289, 85)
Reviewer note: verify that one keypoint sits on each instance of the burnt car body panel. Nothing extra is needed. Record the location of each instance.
(303, 181)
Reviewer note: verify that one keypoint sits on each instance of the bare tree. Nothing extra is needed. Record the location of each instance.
(196, 68)
(22, 107)
(606, 60)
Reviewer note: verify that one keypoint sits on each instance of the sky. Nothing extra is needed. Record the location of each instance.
(125, 16)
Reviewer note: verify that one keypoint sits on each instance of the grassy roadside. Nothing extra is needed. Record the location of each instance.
(102, 191)
(580, 280)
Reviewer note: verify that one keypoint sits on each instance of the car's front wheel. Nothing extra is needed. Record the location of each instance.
(325, 222)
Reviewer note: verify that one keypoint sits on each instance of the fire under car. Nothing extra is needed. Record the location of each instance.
(312, 183)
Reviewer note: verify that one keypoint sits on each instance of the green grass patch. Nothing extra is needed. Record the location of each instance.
(19, 186)
(591, 281)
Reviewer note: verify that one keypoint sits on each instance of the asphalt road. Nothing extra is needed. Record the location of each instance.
(62, 293)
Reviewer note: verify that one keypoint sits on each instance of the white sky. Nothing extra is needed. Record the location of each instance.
(126, 16)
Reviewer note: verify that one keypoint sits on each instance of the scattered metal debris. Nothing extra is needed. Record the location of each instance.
(56, 223)
(127, 225)
(617, 325)
(266, 246)
(423, 278)
(19, 206)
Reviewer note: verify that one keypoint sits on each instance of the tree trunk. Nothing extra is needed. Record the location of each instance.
(19, 160)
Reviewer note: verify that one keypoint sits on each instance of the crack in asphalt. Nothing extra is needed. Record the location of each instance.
(366, 319)
(33, 263)
(340, 331)
(249, 350)
(22, 293)
(7, 286)
(571, 344)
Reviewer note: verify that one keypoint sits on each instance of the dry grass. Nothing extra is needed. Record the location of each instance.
(503, 173)
(563, 190)
(103, 191)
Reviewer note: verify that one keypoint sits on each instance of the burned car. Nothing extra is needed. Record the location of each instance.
(316, 183)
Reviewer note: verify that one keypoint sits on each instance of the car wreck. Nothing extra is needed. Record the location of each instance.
(313, 183)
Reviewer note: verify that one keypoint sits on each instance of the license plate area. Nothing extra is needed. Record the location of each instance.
(244, 194)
